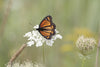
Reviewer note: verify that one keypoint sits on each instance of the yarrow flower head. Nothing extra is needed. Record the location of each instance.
(85, 45)
(35, 37)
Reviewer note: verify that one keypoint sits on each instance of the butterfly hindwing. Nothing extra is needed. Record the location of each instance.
(50, 28)
(45, 34)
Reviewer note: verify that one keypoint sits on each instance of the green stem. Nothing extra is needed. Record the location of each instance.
(43, 54)
(83, 62)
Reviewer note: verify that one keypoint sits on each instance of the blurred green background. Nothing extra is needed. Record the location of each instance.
(72, 18)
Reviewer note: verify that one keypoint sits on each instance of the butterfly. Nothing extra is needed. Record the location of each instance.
(47, 27)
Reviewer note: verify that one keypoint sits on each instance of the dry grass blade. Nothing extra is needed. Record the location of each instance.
(17, 54)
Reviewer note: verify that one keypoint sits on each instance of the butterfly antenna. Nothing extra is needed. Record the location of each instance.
(30, 24)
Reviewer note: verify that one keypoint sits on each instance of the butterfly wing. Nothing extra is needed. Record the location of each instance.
(46, 22)
(48, 27)
(45, 34)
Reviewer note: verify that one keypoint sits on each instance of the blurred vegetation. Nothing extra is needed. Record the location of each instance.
(72, 18)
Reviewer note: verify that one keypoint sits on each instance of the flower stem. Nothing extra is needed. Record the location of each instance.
(43, 54)
(83, 62)
(97, 54)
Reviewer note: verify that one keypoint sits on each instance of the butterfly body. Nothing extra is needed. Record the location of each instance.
(40, 29)
(47, 27)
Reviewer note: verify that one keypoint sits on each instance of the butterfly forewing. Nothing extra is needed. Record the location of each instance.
(46, 22)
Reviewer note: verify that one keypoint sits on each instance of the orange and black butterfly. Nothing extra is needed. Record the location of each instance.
(47, 27)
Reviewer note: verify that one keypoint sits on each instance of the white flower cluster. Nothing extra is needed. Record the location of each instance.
(85, 45)
(26, 64)
(35, 37)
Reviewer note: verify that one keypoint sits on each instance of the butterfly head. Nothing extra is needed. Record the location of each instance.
(37, 29)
